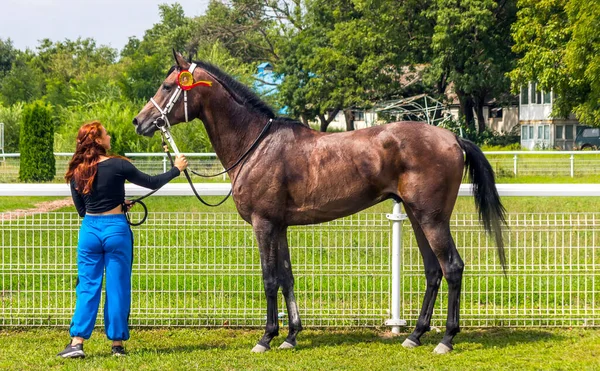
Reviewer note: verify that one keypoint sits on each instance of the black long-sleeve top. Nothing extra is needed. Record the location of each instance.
(108, 189)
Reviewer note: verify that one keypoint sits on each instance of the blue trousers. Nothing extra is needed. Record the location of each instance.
(105, 242)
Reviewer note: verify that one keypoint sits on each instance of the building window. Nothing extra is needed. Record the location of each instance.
(359, 115)
(496, 113)
(558, 134)
(540, 131)
(531, 132)
(524, 132)
(546, 132)
(536, 95)
(569, 132)
(547, 97)
(524, 95)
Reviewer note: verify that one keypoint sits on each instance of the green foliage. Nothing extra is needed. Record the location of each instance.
(488, 137)
(242, 27)
(8, 55)
(11, 116)
(23, 83)
(560, 50)
(115, 116)
(471, 49)
(36, 144)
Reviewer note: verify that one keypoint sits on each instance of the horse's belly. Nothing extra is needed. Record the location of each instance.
(323, 209)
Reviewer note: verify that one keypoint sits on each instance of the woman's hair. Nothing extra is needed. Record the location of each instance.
(82, 167)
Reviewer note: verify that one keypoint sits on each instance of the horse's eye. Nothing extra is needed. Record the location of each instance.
(167, 87)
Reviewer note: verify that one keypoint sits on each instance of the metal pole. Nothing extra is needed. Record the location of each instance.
(397, 218)
(515, 165)
(572, 165)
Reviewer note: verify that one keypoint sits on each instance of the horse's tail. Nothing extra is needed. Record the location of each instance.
(487, 200)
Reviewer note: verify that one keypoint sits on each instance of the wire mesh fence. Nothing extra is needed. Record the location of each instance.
(151, 164)
(203, 269)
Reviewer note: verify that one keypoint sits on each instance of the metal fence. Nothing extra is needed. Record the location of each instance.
(202, 269)
(506, 164)
(152, 163)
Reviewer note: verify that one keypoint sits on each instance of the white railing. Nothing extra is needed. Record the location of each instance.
(222, 189)
(202, 269)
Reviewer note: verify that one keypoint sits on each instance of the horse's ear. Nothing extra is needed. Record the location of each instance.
(180, 60)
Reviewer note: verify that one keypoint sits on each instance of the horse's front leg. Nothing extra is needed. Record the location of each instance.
(286, 279)
(267, 235)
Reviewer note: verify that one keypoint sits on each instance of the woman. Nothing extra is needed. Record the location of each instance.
(105, 239)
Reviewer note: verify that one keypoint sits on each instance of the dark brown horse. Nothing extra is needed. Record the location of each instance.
(296, 175)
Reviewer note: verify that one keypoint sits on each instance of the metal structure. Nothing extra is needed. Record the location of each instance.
(202, 269)
(2, 140)
(420, 107)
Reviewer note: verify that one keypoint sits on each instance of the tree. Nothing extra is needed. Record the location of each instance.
(246, 28)
(36, 144)
(337, 60)
(145, 62)
(560, 51)
(11, 116)
(7, 57)
(23, 83)
(471, 49)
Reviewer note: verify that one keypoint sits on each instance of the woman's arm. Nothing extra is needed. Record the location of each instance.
(135, 176)
(77, 200)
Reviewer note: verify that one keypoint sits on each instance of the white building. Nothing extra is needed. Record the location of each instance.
(539, 130)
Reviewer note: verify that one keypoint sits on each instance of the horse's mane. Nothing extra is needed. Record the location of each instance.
(240, 92)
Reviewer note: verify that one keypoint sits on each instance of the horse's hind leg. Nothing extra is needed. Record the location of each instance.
(286, 279)
(433, 274)
(442, 244)
(268, 237)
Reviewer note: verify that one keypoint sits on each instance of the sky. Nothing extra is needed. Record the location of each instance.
(109, 22)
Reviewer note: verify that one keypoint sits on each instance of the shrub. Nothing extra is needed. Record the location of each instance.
(36, 144)
(11, 117)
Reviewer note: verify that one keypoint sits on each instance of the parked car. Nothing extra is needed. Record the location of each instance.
(588, 139)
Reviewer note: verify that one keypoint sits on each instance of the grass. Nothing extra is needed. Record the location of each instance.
(229, 349)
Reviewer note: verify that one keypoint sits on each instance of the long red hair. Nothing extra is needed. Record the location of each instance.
(83, 165)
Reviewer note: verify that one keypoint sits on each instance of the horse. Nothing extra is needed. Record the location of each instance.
(295, 175)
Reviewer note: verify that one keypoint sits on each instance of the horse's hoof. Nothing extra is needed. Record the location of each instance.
(409, 344)
(442, 349)
(286, 345)
(259, 348)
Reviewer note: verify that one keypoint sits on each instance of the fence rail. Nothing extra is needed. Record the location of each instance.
(507, 164)
(222, 189)
(202, 269)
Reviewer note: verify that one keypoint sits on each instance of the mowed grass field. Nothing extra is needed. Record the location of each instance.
(229, 349)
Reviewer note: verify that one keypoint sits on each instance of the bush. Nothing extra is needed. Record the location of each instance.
(11, 117)
(487, 137)
(36, 144)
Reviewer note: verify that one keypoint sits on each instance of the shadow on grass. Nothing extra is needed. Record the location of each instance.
(493, 337)
(499, 337)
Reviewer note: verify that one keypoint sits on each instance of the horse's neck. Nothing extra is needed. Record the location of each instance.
(232, 134)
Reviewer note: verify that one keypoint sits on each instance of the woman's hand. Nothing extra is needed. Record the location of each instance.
(128, 204)
(181, 162)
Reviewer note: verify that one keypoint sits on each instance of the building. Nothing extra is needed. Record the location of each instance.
(539, 130)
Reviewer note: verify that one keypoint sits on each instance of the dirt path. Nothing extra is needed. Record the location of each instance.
(42, 207)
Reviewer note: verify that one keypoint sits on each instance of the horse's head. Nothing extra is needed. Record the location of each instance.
(169, 99)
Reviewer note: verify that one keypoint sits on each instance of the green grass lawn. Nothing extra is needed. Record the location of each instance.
(229, 349)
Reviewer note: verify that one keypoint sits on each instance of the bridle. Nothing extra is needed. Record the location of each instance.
(162, 123)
